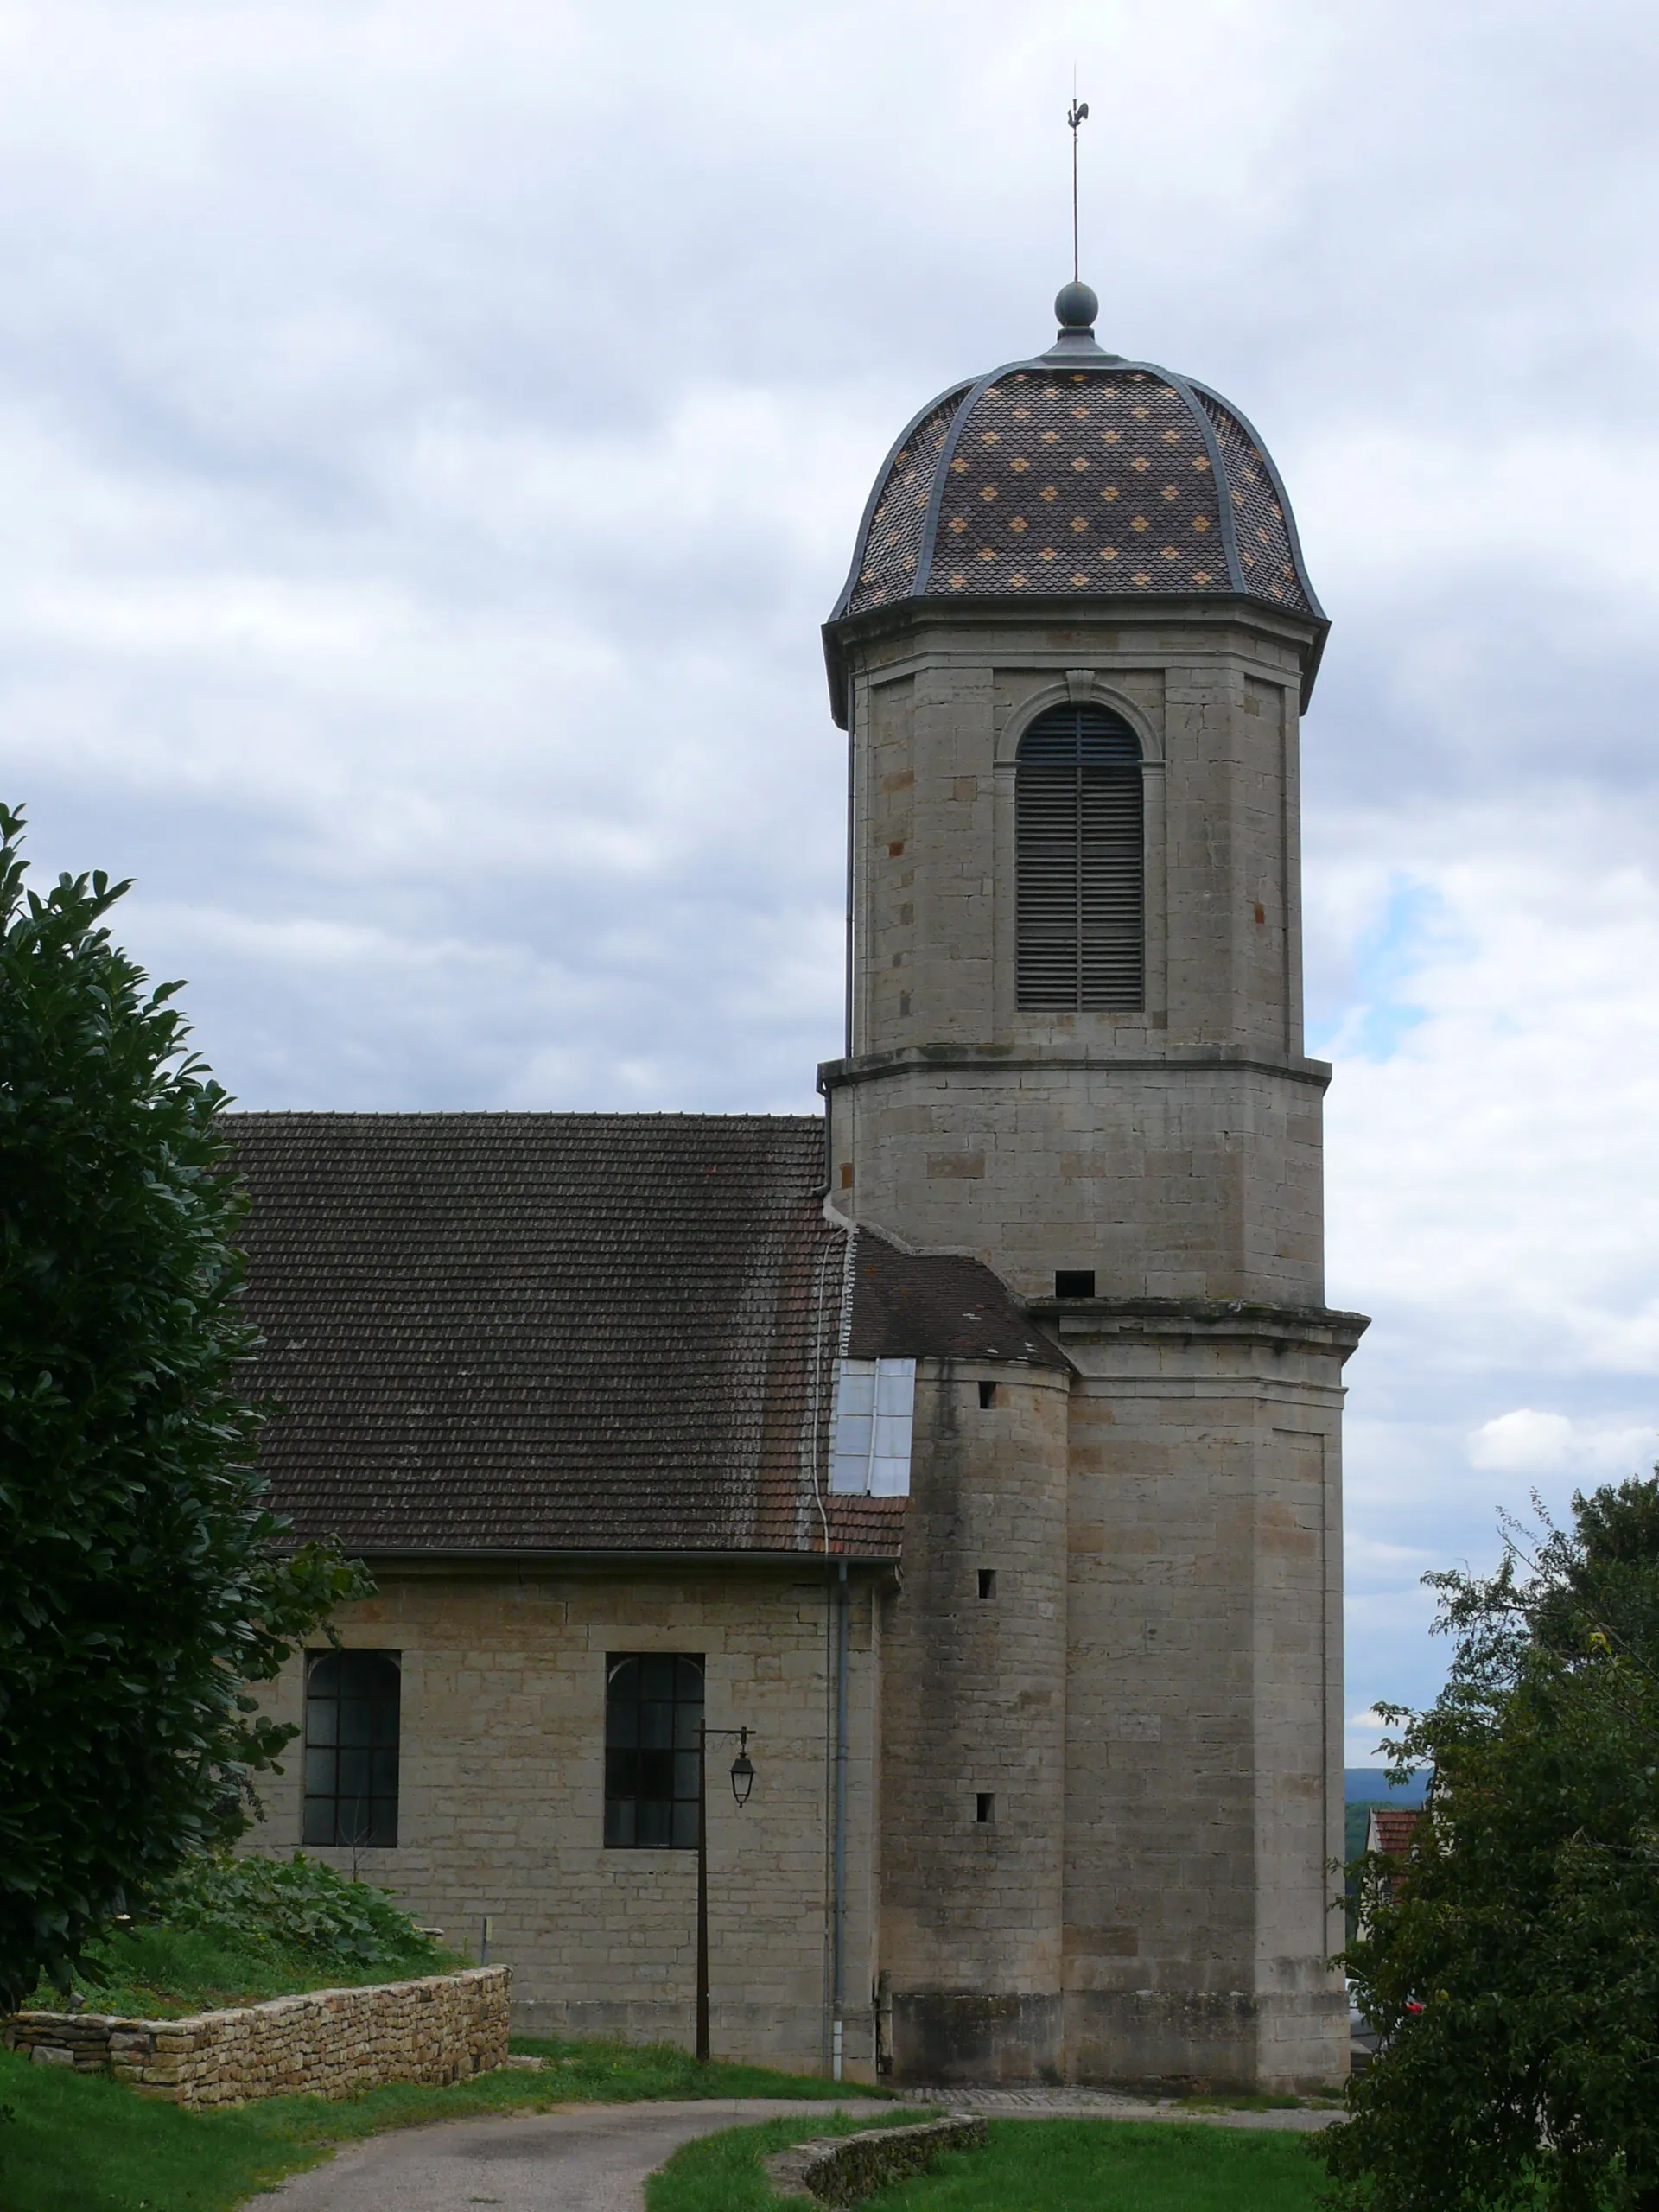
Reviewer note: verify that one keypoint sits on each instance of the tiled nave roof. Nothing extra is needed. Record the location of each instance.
(575, 1333)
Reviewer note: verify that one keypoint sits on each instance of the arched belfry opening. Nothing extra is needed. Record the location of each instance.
(1079, 862)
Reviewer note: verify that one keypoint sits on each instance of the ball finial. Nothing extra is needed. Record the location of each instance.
(1076, 306)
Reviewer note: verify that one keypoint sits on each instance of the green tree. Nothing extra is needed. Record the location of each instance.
(1513, 1969)
(142, 1581)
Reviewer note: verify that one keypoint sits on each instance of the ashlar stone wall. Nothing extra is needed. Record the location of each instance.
(973, 1789)
(1169, 1156)
(1204, 1790)
(503, 1787)
(1175, 1148)
(941, 705)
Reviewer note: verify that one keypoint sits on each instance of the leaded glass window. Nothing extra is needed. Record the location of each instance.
(351, 1724)
(653, 1709)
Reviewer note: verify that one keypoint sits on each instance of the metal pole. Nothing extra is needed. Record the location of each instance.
(702, 1890)
(1076, 115)
(1074, 202)
(838, 2010)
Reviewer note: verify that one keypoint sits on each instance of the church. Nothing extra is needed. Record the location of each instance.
(974, 1446)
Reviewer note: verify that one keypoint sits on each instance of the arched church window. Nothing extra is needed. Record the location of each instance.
(653, 1717)
(351, 1747)
(1080, 902)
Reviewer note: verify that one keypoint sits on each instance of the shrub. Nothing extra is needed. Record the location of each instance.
(297, 1905)
(144, 1583)
(1512, 1965)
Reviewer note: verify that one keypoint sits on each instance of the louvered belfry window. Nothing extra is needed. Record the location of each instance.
(1080, 900)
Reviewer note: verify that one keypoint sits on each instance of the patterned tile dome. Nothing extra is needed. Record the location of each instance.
(1078, 474)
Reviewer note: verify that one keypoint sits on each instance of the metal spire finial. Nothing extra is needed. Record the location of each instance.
(1076, 306)
(1075, 114)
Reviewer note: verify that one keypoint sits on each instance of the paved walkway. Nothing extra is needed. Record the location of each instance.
(595, 2158)
(585, 2158)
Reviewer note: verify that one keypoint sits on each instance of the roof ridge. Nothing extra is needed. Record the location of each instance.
(502, 1114)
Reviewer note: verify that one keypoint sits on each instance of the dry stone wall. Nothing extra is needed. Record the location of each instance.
(841, 2168)
(328, 2043)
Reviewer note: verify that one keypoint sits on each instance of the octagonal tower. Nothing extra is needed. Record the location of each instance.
(1071, 656)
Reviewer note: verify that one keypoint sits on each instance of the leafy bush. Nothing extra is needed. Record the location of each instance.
(144, 1582)
(235, 1931)
(1512, 1965)
(296, 1905)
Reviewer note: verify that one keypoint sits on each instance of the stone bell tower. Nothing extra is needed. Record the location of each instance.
(1071, 656)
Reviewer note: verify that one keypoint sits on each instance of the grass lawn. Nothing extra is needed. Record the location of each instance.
(161, 1974)
(233, 1931)
(82, 2141)
(724, 2173)
(1027, 2165)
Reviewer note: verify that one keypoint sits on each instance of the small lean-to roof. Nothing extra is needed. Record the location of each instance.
(535, 1333)
(928, 1304)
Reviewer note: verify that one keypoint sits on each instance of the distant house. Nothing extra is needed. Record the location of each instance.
(1390, 1831)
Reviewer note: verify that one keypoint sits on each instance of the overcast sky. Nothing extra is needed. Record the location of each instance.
(430, 437)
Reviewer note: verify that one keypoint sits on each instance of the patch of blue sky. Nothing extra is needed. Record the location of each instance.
(1414, 929)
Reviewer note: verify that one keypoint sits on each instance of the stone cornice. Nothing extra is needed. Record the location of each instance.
(865, 1067)
(1208, 1320)
(1133, 615)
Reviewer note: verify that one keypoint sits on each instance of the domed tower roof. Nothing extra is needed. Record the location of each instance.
(1076, 475)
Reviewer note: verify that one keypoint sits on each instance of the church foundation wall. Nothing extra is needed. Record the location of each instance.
(942, 2035)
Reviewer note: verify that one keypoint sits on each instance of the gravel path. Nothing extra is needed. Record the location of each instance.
(584, 2158)
(1110, 2104)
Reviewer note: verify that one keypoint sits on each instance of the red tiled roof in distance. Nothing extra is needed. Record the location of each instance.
(1390, 1828)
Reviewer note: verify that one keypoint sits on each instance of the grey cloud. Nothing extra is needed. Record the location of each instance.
(429, 440)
